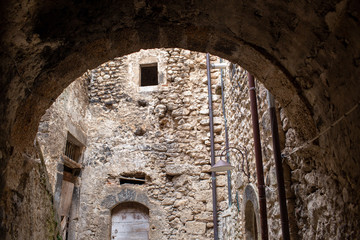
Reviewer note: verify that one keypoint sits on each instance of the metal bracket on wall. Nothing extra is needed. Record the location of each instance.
(238, 152)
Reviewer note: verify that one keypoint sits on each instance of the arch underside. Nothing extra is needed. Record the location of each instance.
(72, 43)
(281, 47)
(306, 54)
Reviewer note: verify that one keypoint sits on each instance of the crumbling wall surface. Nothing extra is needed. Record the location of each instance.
(319, 195)
(160, 132)
(66, 115)
(238, 114)
(29, 211)
(326, 205)
(306, 52)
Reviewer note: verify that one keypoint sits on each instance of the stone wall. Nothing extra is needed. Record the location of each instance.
(318, 200)
(306, 52)
(31, 200)
(323, 203)
(66, 115)
(161, 133)
(237, 111)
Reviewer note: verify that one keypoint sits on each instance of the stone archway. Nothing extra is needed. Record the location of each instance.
(307, 54)
(299, 56)
(251, 212)
(67, 59)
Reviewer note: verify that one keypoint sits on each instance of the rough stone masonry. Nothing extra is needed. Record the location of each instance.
(306, 52)
(160, 133)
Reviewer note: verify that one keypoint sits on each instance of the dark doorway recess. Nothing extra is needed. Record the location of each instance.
(149, 75)
(250, 222)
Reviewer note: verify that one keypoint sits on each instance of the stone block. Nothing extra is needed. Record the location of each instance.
(180, 180)
(160, 110)
(180, 203)
(221, 181)
(168, 201)
(205, 122)
(204, 217)
(186, 216)
(109, 201)
(180, 112)
(218, 120)
(205, 168)
(159, 148)
(175, 170)
(203, 196)
(194, 227)
(204, 111)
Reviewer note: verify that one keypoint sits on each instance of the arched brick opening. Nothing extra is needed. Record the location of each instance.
(307, 54)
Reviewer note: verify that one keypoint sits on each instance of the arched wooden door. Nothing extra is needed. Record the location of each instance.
(130, 221)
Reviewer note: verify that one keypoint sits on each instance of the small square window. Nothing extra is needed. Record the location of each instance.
(73, 148)
(149, 75)
(72, 151)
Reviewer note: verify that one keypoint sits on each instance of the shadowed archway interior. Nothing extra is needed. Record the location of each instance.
(306, 54)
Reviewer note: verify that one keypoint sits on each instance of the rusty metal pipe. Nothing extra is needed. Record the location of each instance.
(279, 168)
(212, 148)
(258, 158)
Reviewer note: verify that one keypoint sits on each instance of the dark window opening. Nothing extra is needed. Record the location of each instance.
(149, 75)
(72, 151)
(132, 180)
(68, 169)
(73, 171)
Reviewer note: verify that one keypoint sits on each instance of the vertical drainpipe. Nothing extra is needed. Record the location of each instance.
(279, 168)
(258, 158)
(226, 134)
(211, 123)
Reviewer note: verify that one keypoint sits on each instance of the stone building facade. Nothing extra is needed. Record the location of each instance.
(305, 52)
(151, 145)
(242, 220)
(148, 144)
